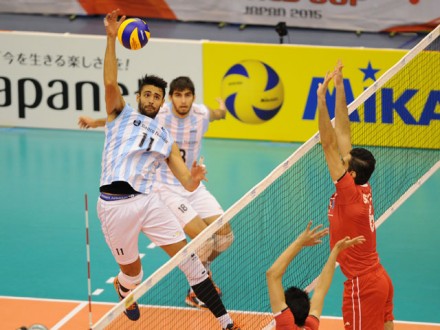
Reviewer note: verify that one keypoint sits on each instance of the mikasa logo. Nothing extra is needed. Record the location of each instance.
(395, 105)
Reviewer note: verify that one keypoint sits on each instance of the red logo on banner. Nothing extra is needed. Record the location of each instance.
(332, 2)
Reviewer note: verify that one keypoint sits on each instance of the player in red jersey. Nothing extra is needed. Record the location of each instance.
(368, 291)
(292, 308)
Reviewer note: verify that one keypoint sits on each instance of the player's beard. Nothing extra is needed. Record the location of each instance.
(148, 110)
(182, 111)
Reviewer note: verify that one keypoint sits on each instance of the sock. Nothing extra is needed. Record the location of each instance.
(206, 292)
(208, 268)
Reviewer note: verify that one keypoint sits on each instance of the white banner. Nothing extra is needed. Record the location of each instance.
(355, 15)
(67, 7)
(49, 80)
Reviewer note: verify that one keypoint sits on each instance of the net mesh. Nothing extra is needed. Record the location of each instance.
(396, 121)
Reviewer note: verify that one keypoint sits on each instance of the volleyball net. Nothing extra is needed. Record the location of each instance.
(397, 118)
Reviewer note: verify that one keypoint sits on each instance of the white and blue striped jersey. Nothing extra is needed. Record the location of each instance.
(135, 146)
(187, 133)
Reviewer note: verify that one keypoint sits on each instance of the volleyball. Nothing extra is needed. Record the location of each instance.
(253, 91)
(133, 33)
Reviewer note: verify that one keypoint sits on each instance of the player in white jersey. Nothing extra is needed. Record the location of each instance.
(188, 123)
(135, 146)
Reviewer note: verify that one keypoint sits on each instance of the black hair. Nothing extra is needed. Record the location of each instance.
(298, 302)
(181, 83)
(154, 81)
(363, 163)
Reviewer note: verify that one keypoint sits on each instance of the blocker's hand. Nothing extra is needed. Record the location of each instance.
(310, 237)
(347, 242)
(322, 87)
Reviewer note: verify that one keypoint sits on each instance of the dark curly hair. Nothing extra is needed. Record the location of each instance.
(153, 81)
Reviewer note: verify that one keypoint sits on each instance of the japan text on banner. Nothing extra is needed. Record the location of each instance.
(270, 91)
(47, 80)
(353, 15)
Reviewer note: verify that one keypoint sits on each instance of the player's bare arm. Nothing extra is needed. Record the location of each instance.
(275, 273)
(190, 180)
(326, 276)
(86, 122)
(342, 122)
(220, 112)
(113, 97)
(327, 133)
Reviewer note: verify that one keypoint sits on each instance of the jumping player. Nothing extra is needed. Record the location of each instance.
(368, 291)
(135, 146)
(188, 122)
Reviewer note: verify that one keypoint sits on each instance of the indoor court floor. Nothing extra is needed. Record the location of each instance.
(44, 175)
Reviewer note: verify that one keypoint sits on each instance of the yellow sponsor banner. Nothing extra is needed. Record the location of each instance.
(405, 112)
(270, 91)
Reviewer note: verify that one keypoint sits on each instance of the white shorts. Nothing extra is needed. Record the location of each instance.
(187, 205)
(123, 220)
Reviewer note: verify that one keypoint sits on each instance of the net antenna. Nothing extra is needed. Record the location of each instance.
(276, 210)
(89, 279)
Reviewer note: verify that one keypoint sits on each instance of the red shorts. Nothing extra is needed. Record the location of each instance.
(368, 301)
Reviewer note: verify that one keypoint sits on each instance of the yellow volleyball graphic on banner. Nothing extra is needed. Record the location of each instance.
(253, 91)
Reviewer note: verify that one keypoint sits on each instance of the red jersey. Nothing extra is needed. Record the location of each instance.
(286, 321)
(351, 213)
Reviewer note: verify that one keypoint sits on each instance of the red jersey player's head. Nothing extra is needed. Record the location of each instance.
(299, 304)
(360, 165)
